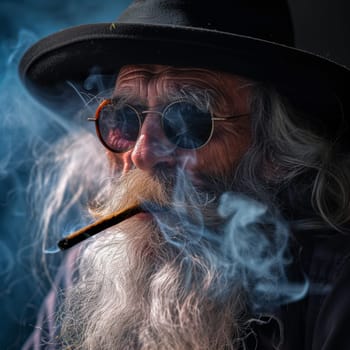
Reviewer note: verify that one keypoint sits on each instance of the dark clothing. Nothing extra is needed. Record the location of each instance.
(321, 320)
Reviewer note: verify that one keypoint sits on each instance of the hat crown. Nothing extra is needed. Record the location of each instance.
(268, 20)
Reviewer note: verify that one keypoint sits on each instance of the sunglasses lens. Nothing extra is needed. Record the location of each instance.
(186, 126)
(118, 127)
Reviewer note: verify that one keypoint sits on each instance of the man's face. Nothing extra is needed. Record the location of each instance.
(168, 273)
(152, 87)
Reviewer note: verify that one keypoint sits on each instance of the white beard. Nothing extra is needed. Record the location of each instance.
(135, 290)
(132, 293)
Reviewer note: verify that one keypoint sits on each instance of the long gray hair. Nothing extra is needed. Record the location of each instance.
(291, 166)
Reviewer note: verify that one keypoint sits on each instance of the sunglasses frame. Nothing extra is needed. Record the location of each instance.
(161, 113)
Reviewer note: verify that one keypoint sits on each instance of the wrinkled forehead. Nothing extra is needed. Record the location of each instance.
(157, 81)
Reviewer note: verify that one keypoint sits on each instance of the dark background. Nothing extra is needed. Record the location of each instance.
(321, 26)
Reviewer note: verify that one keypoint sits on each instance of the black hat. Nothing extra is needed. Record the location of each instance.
(252, 38)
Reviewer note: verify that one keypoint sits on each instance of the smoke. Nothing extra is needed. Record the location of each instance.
(243, 239)
(26, 131)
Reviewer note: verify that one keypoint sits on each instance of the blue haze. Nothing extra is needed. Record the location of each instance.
(22, 133)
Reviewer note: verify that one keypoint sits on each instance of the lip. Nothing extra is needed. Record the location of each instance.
(144, 215)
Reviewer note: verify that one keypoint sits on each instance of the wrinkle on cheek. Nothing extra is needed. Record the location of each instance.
(220, 158)
(127, 163)
(119, 163)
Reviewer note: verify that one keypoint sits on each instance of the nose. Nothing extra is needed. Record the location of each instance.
(152, 148)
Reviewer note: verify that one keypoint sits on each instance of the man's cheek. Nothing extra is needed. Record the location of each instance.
(217, 158)
(119, 162)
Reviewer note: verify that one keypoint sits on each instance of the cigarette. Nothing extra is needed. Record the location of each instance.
(98, 226)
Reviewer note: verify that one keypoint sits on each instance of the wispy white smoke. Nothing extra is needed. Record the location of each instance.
(26, 129)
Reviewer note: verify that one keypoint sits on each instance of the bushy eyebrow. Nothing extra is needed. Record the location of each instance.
(123, 98)
(201, 98)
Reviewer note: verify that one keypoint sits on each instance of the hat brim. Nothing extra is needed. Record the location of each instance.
(313, 83)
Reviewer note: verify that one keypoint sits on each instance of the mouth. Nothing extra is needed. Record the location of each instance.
(144, 216)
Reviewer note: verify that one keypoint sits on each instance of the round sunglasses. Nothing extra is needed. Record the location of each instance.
(184, 124)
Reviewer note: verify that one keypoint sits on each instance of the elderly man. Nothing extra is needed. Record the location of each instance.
(233, 146)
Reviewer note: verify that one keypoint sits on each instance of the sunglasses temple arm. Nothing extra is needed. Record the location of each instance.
(231, 117)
